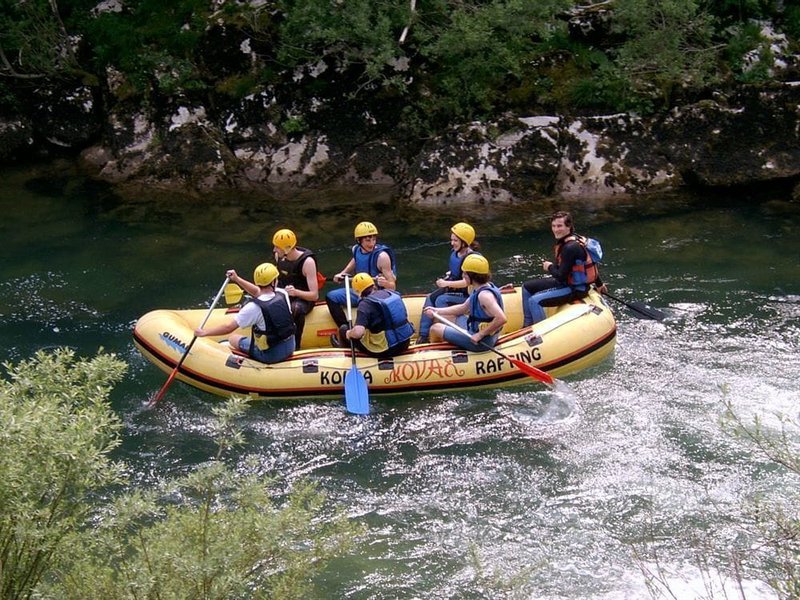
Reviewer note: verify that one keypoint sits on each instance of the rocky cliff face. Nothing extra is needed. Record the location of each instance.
(749, 136)
(745, 136)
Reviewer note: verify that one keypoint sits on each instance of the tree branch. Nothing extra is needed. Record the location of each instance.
(10, 72)
(410, 21)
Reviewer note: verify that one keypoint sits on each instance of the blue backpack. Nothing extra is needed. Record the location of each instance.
(592, 246)
(594, 249)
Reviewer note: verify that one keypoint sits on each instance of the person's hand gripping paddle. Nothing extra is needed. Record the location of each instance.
(529, 370)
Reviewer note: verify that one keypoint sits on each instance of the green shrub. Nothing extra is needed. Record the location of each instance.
(56, 431)
(294, 125)
(457, 61)
(152, 42)
(237, 86)
(215, 533)
(742, 39)
(669, 45)
(792, 22)
(220, 535)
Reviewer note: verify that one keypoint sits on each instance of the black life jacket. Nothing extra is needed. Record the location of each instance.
(278, 320)
(291, 271)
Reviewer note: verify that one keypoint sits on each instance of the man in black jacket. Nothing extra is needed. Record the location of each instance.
(570, 276)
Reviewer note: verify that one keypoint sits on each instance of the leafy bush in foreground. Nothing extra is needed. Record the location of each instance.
(215, 533)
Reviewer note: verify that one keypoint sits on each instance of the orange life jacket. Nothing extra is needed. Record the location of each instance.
(584, 272)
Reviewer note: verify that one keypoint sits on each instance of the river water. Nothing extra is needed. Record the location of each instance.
(519, 493)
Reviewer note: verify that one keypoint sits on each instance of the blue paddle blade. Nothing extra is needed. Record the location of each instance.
(356, 396)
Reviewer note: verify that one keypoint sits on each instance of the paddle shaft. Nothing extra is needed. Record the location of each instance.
(167, 383)
(639, 308)
(529, 370)
(350, 316)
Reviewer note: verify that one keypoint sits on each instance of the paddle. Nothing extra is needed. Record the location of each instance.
(233, 293)
(640, 309)
(529, 370)
(155, 399)
(356, 396)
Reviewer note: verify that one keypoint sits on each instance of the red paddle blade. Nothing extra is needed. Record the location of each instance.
(157, 397)
(537, 374)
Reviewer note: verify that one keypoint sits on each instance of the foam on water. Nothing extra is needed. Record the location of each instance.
(532, 492)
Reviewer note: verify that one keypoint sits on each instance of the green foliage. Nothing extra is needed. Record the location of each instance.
(774, 520)
(792, 21)
(8, 99)
(767, 544)
(460, 59)
(153, 43)
(356, 33)
(746, 41)
(215, 533)
(293, 125)
(224, 539)
(418, 71)
(33, 40)
(607, 87)
(669, 44)
(494, 583)
(238, 86)
(742, 10)
(56, 432)
(742, 40)
(576, 76)
(482, 51)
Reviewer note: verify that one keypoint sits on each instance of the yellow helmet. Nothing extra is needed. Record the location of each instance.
(464, 231)
(365, 228)
(284, 239)
(475, 263)
(361, 282)
(265, 274)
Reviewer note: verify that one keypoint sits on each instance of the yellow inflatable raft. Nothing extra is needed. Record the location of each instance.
(572, 338)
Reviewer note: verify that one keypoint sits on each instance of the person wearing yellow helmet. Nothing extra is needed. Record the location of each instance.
(368, 256)
(568, 278)
(481, 314)
(452, 288)
(298, 276)
(381, 327)
(267, 315)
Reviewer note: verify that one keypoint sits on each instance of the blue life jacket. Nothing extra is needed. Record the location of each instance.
(456, 273)
(278, 320)
(476, 313)
(367, 262)
(395, 316)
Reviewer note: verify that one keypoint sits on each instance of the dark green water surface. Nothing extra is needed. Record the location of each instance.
(521, 493)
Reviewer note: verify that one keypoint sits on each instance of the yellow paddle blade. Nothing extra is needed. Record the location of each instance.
(233, 294)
